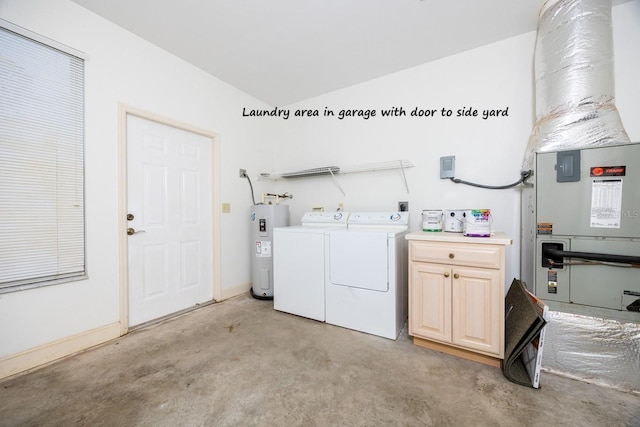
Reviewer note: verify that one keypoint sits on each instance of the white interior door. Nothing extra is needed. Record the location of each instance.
(169, 187)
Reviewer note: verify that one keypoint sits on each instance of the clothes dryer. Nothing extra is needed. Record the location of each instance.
(299, 266)
(366, 288)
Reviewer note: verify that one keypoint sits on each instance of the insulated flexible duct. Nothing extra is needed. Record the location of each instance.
(574, 79)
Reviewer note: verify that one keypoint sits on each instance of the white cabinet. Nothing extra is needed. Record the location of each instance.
(456, 294)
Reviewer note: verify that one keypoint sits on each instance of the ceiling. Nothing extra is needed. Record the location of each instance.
(284, 51)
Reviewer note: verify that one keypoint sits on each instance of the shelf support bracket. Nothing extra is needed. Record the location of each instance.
(335, 181)
(404, 177)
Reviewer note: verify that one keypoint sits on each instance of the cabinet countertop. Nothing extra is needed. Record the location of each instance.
(497, 237)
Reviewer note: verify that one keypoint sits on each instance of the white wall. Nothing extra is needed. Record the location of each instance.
(122, 68)
(487, 151)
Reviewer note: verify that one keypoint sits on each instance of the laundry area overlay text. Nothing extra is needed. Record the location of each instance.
(366, 114)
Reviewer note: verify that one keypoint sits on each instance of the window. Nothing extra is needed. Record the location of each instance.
(42, 228)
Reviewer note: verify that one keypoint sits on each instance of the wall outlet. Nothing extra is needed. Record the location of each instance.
(243, 173)
(226, 208)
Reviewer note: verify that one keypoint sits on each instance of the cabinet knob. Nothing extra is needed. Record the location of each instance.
(456, 276)
(446, 274)
(452, 256)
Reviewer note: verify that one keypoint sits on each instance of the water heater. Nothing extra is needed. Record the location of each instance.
(264, 218)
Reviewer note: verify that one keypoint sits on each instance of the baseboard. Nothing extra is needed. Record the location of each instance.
(38, 356)
(459, 352)
(236, 290)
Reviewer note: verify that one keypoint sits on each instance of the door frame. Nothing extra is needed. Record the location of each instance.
(123, 245)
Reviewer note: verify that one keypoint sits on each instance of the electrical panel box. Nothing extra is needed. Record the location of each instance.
(447, 167)
(568, 166)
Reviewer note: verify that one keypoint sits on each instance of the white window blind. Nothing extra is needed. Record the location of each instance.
(42, 230)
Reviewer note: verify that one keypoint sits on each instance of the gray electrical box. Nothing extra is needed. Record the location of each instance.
(447, 167)
(568, 166)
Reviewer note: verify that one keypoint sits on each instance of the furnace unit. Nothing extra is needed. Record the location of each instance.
(581, 230)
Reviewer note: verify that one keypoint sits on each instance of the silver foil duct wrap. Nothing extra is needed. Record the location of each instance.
(592, 349)
(574, 79)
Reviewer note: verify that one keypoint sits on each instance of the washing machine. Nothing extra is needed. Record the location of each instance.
(299, 263)
(366, 285)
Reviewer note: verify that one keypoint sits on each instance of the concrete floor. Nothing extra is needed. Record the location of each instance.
(240, 363)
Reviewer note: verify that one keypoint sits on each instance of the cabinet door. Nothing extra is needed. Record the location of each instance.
(478, 310)
(430, 302)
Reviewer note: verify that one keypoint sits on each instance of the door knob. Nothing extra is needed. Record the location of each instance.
(131, 231)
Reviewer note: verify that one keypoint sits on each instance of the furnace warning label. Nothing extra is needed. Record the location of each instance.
(606, 203)
(545, 228)
(552, 282)
(263, 249)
